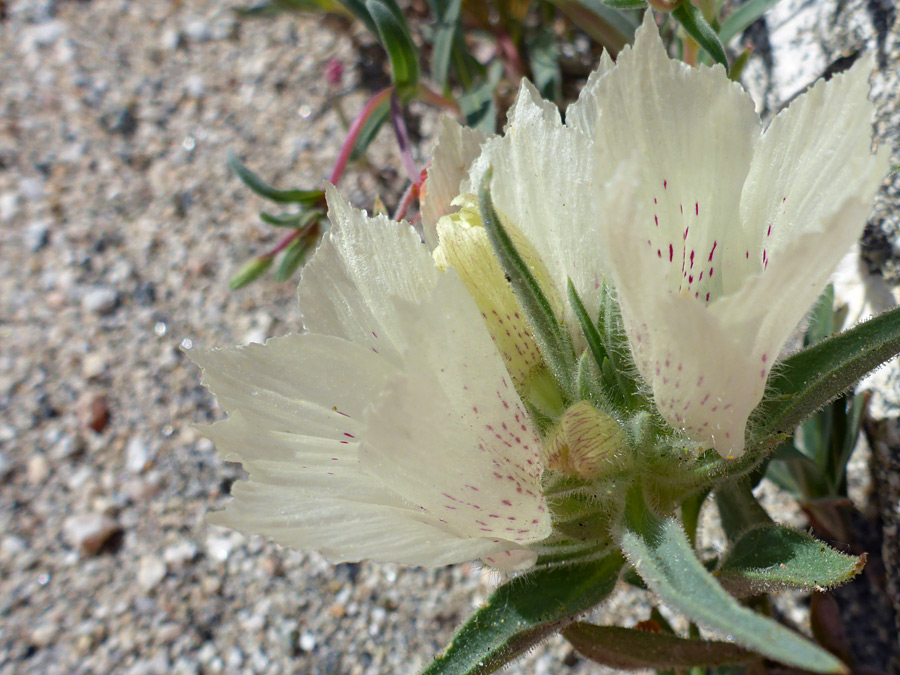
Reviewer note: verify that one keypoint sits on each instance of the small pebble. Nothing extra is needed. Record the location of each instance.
(307, 641)
(37, 236)
(93, 365)
(180, 553)
(151, 571)
(93, 411)
(100, 300)
(88, 532)
(43, 634)
(38, 470)
(137, 455)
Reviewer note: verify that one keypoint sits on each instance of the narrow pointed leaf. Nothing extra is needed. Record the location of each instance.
(773, 558)
(444, 38)
(370, 129)
(808, 380)
(661, 554)
(625, 4)
(260, 187)
(589, 330)
(630, 649)
(524, 611)
(396, 40)
(549, 333)
(250, 272)
(296, 221)
(692, 20)
(294, 256)
(358, 9)
(741, 18)
(611, 28)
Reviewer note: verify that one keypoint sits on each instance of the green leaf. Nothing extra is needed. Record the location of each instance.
(741, 18)
(543, 60)
(694, 23)
(478, 105)
(358, 9)
(662, 555)
(294, 256)
(524, 611)
(250, 272)
(370, 129)
(296, 221)
(630, 649)
(771, 558)
(626, 4)
(612, 28)
(444, 38)
(549, 333)
(255, 183)
(808, 380)
(397, 41)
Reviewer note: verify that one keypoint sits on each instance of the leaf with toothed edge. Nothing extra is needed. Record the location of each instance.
(524, 611)
(660, 552)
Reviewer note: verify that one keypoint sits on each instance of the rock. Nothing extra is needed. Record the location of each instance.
(32, 189)
(9, 206)
(137, 455)
(93, 365)
(180, 553)
(307, 641)
(93, 411)
(5, 466)
(37, 236)
(38, 470)
(44, 634)
(198, 31)
(88, 532)
(151, 571)
(100, 300)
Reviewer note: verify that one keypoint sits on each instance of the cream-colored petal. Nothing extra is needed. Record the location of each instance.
(585, 113)
(295, 408)
(701, 373)
(693, 131)
(480, 468)
(347, 530)
(362, 266)
(542, 185)
(457, 147)
(814, 156)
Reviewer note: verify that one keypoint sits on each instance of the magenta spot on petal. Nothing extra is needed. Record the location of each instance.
(671, 253)
(707, 295)
(769, 231)
(696, 208)
(507, 502)
(692, 260)
(765, 357)
(712, 251)
(665, 184)
(349, 435)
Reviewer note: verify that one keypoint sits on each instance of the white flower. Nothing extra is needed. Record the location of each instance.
(717, 235)
(390, 430)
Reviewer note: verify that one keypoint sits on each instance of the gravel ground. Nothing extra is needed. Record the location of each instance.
(120, 227)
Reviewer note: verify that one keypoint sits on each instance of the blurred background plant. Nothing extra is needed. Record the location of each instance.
(466, 57)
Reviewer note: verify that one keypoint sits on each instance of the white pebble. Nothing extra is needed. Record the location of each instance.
(88, 532)
(101, 300)
(307, 641)
(151, 571)
(137, 455)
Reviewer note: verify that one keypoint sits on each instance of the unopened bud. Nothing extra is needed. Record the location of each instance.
(586, 442)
